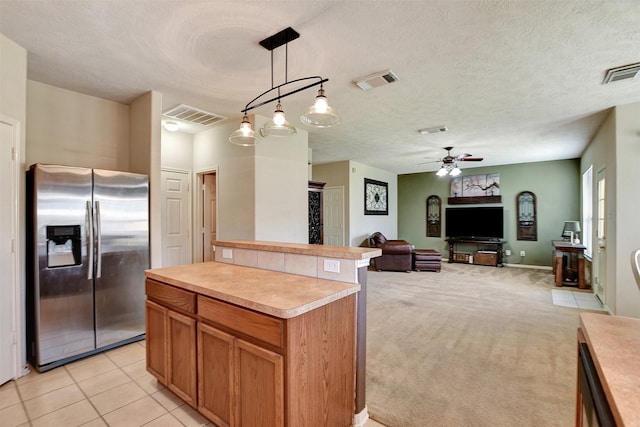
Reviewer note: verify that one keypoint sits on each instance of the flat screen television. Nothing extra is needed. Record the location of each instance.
(477, 223)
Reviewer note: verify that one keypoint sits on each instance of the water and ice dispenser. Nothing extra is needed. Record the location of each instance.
(63, 245)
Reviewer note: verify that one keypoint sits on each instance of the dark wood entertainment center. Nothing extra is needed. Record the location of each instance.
(481, 256)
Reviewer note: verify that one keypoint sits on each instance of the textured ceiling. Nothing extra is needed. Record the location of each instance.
(514, 80)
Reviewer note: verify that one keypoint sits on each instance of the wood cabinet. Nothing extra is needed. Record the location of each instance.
(240, 367)
(171, 339)
(493, 256)
(239, 383)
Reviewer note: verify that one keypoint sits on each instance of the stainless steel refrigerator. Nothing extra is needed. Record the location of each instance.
(87, 249)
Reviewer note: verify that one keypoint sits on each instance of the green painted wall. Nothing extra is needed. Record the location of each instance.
(556, 185)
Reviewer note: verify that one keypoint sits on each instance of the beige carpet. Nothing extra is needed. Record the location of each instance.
(470, 346)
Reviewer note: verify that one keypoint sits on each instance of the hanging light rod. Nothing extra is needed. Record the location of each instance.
(275, 98)
(318, 115)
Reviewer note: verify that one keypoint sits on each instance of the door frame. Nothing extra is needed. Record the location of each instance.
(601, 278)
(18, 342)
(198, 240)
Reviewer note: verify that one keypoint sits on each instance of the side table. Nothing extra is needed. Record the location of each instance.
(572, 271)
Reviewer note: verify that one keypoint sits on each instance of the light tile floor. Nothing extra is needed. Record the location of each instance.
(109, 389)
(576, 299)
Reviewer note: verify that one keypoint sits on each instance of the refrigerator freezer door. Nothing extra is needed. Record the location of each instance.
(60, 289)
(121, 206)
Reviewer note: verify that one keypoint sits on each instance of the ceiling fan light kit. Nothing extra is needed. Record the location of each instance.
(450, 163)
(319, 115)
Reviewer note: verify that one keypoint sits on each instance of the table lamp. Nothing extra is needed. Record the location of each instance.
(570, 229)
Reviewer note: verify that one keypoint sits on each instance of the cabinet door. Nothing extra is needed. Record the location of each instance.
(156, 340)
(181, 375)
(215, 374)
(259, 389)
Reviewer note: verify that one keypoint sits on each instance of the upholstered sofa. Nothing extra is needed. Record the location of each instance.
(396, 254)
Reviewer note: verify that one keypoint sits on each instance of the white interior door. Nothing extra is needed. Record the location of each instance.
(176, 218)
(601, 235)
(8, 283)
(333, 215)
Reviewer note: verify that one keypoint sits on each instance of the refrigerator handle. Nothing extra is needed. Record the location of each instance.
(99, 243)
(90, 240)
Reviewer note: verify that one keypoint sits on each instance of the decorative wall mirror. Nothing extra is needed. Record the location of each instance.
(433, 216)
(527, 221)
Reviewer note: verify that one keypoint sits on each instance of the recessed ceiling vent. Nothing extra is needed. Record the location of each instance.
(621, 73)
(435, 129)
(376, 79)
(193, 115)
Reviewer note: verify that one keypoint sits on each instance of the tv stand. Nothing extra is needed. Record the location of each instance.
(496, 244)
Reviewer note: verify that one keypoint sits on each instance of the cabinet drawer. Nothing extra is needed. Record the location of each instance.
(265, 328)
(171, 296)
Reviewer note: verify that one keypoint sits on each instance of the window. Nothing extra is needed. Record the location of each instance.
(587, 210)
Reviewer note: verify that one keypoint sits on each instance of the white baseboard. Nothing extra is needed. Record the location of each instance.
(537, 267)
(359, 420)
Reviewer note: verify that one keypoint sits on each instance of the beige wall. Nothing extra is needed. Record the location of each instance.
(349, 174)
(616, 148)
(69, 128)
(177, 150)
(627, 207)
(144, 157)
(13, 110)
(262, 190)
(281, 188)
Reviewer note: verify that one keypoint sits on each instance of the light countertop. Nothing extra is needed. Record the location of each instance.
(614, 344)
(342, 252)
(278, 294)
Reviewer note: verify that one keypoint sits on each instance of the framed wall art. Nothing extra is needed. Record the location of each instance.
(375, 197)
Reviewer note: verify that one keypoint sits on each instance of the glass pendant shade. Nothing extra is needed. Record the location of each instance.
(442, 171)
(245, 136)
(455, 171)
(278, 125)
(320, 115)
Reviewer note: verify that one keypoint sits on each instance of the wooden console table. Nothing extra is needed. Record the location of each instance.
(498, 243)
(572, 272)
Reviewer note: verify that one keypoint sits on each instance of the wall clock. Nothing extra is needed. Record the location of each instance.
(375, 197)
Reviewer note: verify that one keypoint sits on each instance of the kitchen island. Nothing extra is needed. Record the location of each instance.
(253, 347)
(608, 389)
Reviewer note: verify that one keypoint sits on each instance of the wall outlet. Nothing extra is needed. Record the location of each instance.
(507, 252)
(522, 253)
(332, 265)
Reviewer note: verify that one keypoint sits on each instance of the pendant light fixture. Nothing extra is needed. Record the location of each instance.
(244, 136)
(319, 115)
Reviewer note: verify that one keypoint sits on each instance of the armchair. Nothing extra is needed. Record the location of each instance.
(396, 254)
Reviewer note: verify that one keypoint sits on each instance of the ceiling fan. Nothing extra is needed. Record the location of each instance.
(450, 163)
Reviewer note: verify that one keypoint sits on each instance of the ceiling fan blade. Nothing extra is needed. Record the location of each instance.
(462, 156)
(430, 161)
(471, 159)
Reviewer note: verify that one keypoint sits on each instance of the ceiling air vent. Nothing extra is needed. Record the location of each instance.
(193, 115)
(621, 73)
(436, 129)
(376, 79)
